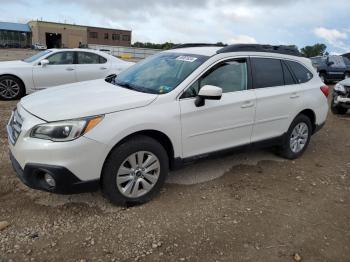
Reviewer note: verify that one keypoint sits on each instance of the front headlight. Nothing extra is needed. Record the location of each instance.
(340, 88)
(63, 131)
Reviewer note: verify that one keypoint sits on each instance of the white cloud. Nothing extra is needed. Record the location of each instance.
(333, 36)
(242, 39)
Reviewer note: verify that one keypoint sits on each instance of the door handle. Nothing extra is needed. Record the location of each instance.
(247, 104)
(294, 95)
(103, 68)
(69, 69)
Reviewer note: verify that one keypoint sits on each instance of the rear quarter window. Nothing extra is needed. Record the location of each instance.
(301, 73)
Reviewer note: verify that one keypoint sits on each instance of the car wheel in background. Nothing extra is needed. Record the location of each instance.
(135, 171)
(337, 110)
(11, 88)
(347, 75)
(323, 77)
(297, 138)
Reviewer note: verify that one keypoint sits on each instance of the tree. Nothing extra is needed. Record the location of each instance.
(314, 50)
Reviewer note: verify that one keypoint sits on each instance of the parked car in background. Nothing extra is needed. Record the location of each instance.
(167, 110)
(332, 68)
(39, 47)
(341, 97)
(54, 67)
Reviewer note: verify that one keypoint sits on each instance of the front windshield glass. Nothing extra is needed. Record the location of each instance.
(36, 56)
(161, 73)
(347, 61)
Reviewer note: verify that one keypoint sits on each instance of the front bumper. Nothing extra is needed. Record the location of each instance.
(75, 166)
(66, 181)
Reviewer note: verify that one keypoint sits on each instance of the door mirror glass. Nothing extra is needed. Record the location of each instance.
(44, 62)
(208, 92)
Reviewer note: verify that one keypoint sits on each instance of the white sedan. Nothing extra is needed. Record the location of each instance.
(55, 67)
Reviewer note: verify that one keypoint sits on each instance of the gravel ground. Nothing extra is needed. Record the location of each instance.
(251, 206)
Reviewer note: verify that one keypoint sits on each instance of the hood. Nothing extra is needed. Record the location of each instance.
(83, 99)
(11, 64)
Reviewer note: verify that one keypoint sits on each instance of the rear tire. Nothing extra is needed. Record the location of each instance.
(323, 77)
(11, 88)
(338, 110)
(135, 171)
(297, 138)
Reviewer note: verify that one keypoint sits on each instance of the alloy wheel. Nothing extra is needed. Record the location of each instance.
(299, 137)
(9, 88)
(138, 174)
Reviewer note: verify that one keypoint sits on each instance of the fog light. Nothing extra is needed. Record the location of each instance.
(50, 180)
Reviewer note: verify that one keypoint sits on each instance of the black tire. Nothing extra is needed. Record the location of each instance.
(324, 77)
(117, 158)
(338, 110)
(285, 149)
(347, 75)
(20, 92)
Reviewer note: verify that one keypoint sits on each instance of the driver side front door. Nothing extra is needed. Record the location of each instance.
(219, 124)
(60, 70)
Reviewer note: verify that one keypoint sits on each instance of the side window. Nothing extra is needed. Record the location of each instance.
(267, 72)
(90, 58)
(302, 74)
(288, 78)
(231, 76)
(61, 58)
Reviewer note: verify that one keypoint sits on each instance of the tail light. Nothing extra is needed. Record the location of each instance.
(325, 90)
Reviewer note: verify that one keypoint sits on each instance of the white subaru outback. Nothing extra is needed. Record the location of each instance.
(124, 135)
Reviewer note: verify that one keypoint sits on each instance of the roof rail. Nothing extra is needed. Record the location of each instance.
(279, 49)
(196, 45)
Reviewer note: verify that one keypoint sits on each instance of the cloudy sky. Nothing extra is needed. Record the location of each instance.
(299, 22)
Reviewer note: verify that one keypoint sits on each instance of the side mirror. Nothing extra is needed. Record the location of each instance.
(330, 63)
(208, 92)
(44, 62)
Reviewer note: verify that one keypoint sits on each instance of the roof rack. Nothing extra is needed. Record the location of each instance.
(196, 45)
(279, 49)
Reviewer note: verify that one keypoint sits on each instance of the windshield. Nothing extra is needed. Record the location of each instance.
(161, 73)
(36, 56)
(318, 60)
(347, 61)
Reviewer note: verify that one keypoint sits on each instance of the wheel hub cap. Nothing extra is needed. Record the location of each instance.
(138, 174)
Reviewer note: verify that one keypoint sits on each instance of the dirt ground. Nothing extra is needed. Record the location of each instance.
(250, 206)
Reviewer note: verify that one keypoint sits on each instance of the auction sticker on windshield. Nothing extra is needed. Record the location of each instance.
(186, 58)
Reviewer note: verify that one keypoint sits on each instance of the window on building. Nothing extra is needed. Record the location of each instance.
(116, 37)
(106, 35)
(267, 72)
(126, 38)
(90, 58)
(93, 34)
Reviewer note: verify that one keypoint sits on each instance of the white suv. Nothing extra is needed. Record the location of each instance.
(169, 109)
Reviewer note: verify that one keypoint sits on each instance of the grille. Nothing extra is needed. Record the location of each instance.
(14, 127)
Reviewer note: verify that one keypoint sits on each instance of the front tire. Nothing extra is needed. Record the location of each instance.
(135, 171)
(297, 138)
(11, 88)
